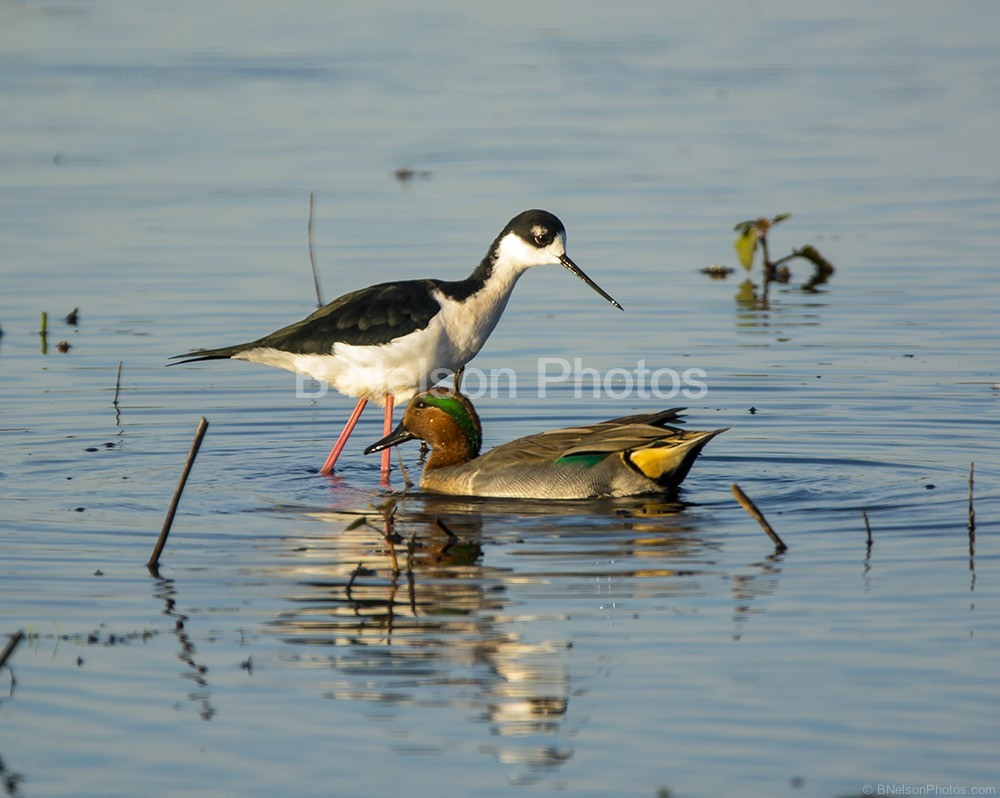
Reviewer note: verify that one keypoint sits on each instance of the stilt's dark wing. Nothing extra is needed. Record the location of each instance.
(374, 315)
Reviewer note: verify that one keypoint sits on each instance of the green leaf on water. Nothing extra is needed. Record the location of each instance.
(745, 246)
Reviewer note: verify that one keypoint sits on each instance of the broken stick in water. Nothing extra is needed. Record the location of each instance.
(972, 510)
(751, 508)
(972, 522)
(169, 520)
(11, 645)
(118, 385)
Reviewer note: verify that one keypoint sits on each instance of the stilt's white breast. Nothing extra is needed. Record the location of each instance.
(408, 364)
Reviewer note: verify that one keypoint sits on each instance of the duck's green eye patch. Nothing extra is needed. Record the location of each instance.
(460, 413)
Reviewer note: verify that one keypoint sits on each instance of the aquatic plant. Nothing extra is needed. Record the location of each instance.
(752, 238)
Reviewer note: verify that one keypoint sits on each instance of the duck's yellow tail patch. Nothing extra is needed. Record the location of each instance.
(667, 461)
(655, 461)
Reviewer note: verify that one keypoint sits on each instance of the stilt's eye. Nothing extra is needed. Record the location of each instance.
(541, 236)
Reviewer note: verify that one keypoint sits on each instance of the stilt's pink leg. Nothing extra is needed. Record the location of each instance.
(339, 445)
(386, 429)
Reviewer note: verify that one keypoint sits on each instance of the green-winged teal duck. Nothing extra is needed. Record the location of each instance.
(626, 456)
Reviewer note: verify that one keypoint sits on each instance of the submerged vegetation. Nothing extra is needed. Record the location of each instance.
(752, 238)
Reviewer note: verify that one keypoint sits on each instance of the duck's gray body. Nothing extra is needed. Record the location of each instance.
(627, 456)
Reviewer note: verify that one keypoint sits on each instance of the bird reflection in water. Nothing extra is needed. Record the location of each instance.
(448, 627)
(427, 631)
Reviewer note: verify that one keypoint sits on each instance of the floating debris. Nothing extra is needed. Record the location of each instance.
(404, 174)
(717, 271)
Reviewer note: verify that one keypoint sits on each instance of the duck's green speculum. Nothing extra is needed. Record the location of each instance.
(582, 460)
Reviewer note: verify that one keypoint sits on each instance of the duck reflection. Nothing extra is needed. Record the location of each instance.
(445, 627)
(429, 632)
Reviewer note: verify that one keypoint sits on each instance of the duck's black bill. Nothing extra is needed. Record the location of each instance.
(397, 436)
(565, 261)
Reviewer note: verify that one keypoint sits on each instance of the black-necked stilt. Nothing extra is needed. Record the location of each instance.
(387, 342)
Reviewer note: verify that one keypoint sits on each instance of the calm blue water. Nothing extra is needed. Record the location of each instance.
(156, 169)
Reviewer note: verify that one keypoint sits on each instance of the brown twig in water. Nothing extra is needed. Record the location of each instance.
(402, 468)
(972, 521)
(312, 251)
(118, 384)
(11, 645)
(114, 402)
(751, 508)
(392, 553)
(972, 510)
(868, 539)
(169, 520)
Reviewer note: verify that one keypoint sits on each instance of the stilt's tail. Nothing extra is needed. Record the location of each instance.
(208, 354)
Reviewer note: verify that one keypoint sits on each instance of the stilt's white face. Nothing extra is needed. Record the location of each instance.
(545, 248)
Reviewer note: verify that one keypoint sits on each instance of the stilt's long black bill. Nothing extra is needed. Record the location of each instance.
(397, 436)
(565, 261)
